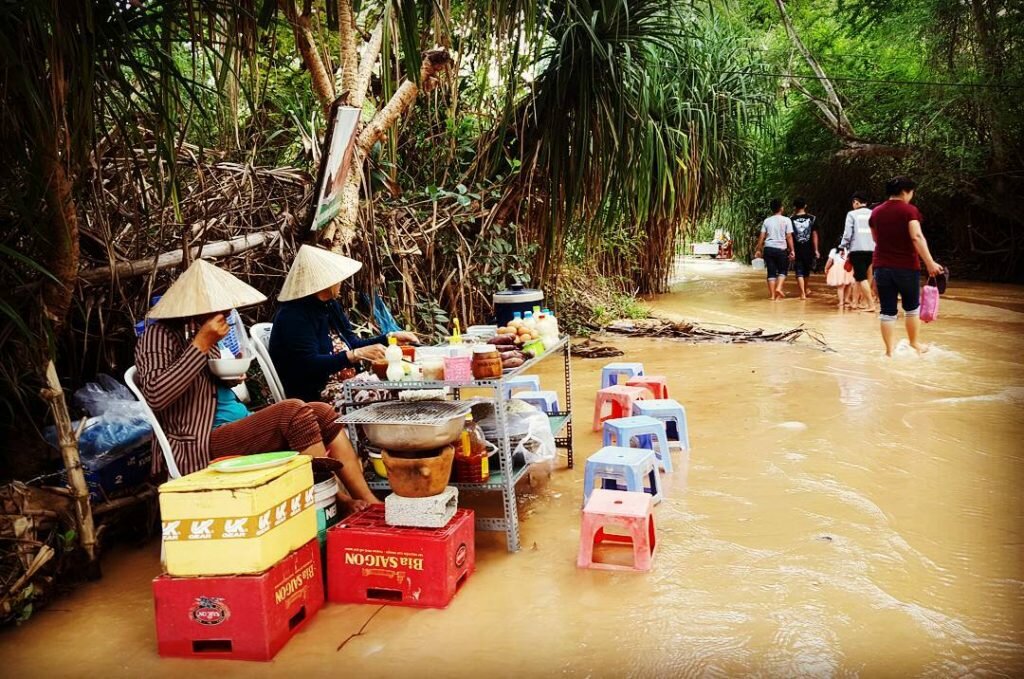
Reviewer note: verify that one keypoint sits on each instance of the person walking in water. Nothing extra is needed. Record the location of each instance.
(899, 248)
(860, 245)
(805, 238)
(776, 238)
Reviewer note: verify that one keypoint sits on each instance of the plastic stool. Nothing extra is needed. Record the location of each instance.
(645, 429)
(610, 373)
(621, 400)
(656, 384)
(632, 511)
(528, 382)
(547, 401)
(672, 413)
(627, 468)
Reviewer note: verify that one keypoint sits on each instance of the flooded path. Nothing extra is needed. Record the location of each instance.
(839, 515)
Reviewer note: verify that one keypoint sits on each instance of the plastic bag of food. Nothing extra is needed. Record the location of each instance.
(528, 429)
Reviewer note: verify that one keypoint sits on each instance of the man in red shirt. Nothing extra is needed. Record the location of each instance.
(899, 248)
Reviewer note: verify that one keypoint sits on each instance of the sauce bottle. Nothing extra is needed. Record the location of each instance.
(471, 463)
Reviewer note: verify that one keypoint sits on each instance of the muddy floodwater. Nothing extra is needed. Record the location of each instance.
(839, 514)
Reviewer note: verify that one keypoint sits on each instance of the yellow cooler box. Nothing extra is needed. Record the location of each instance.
(220, 523)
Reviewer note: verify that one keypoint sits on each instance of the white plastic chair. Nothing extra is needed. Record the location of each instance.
(158, 432)
(260, 336)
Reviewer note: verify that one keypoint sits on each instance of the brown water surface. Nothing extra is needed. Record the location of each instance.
(840, 514)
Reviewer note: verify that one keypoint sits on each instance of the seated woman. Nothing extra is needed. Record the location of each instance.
(312, 342)
(201, 416)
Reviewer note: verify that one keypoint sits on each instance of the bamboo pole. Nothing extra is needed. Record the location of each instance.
(141, 267)
(72, 461)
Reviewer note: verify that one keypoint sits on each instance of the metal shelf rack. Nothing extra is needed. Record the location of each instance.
(561, 427)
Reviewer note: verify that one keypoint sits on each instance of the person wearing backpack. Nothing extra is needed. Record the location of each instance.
(776, 237)
(805, 240)
(899, 248)
(860, 245)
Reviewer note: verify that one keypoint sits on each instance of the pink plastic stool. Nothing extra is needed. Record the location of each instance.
(620, 399)
(657, 385)
(628, 510)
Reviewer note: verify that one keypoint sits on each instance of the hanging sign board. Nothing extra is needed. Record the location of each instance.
(335, 160)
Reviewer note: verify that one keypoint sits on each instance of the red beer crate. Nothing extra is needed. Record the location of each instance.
(238, 617)
(369, 561)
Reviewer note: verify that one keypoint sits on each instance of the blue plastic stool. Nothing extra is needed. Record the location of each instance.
(621, 431)
(547, 401)
(528, 382)
(615, 468)
(610, 373)
(672, 413)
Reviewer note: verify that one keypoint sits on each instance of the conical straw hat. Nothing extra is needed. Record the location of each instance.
(204, 289)
(316, 269)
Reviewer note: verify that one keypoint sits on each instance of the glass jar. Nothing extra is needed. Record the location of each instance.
(486, 362)
(433, 369)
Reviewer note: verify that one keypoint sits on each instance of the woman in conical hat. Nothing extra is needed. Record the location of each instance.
(312, 342)
(201, 416)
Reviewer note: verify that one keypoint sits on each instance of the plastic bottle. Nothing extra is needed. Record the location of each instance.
(393, 355)
(553, 321)
(529, 321)
(471, 463)
(548, 330)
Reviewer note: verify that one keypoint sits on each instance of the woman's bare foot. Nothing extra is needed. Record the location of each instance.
(350, 506)
(921, 349)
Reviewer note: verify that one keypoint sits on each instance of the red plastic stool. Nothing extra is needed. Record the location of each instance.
(620, 398)
(629, 510)
(657, 385)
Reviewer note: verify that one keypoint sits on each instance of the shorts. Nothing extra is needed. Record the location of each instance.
(776, 261)
(804, 262)
(861, 261)
(905, 283)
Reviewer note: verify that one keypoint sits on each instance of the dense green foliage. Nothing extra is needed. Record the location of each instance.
(935, 84)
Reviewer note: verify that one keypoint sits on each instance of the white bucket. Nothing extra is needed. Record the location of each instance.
(325, 497)
(757, 263)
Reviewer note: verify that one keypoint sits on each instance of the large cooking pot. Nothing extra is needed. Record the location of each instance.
(410, 438)
(516, 298)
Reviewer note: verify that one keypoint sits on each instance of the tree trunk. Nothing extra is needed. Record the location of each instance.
(343, 229)
(323, 85)
(833, 110)
(349, 56)
(61, 237)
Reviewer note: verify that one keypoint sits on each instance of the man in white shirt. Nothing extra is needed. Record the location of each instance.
(776, 238)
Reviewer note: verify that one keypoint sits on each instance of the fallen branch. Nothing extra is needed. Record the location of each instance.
(141, 267)
(691, 332)
(593, 349)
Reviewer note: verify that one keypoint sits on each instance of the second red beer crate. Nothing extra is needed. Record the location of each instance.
(369, 561)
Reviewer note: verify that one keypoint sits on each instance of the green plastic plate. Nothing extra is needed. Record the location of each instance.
(248, 463)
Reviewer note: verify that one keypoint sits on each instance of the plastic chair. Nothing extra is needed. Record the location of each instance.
(527, 382)
(620, 401)
(260, 335)
(647, 431)
(656, 384)
(610, 373)
(630, 511)
(672, 413)
(158, 432)
(617, 468)
(546, 401)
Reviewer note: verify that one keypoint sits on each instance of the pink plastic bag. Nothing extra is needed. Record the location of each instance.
(929, 302)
